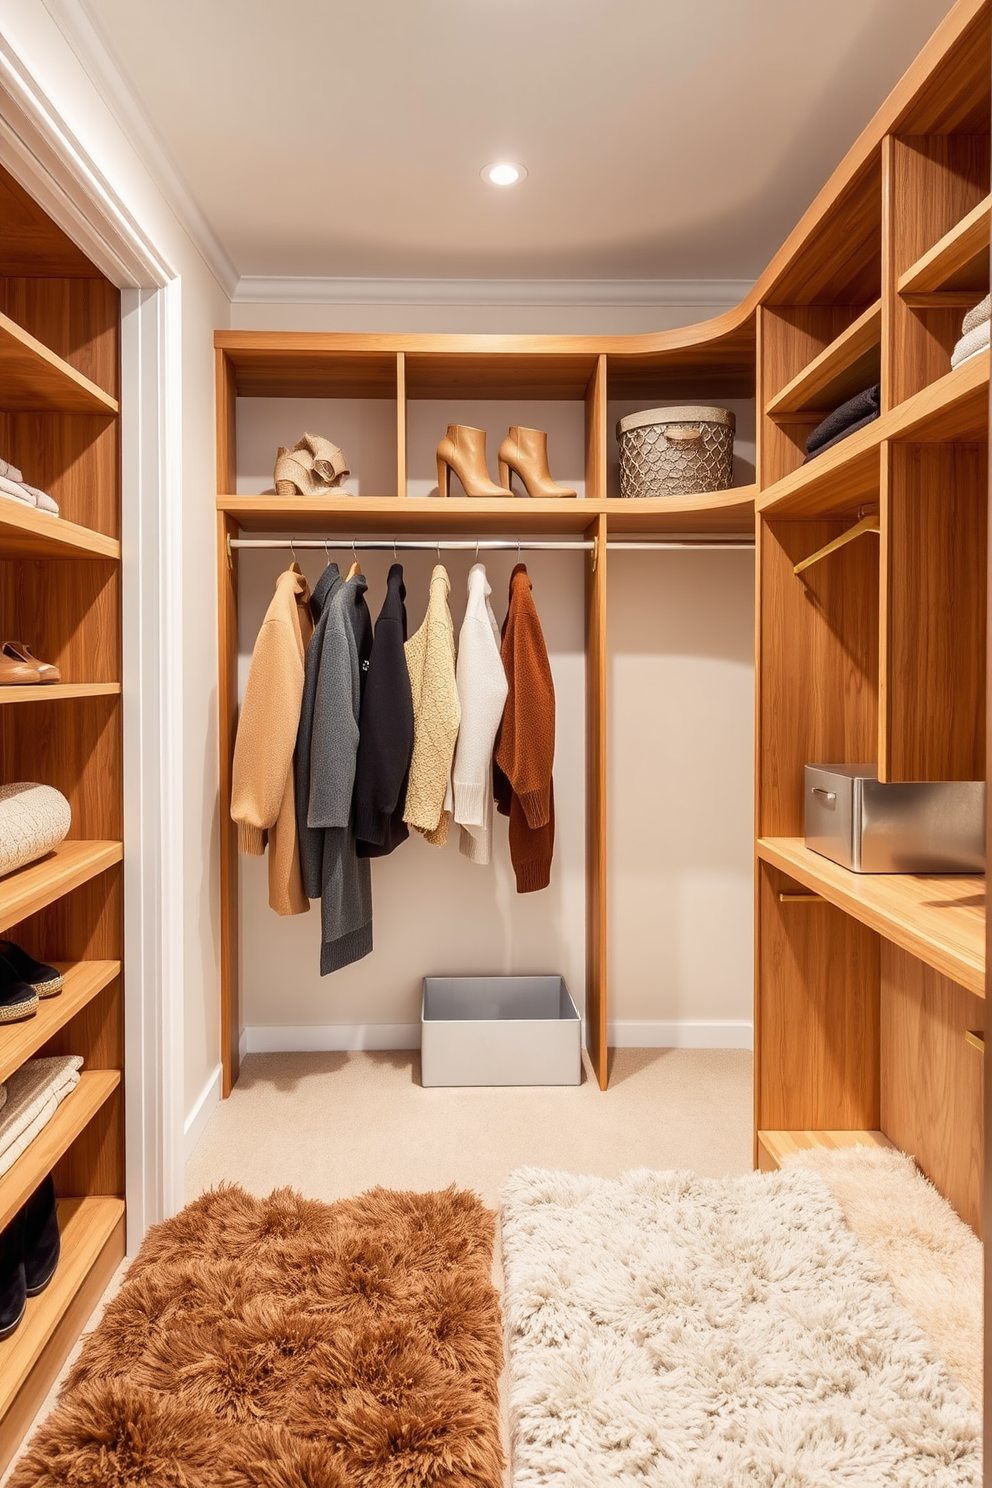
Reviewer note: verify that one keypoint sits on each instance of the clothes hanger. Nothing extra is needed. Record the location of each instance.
(356, 567)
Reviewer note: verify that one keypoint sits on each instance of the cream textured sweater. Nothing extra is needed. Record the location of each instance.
(262, 789)
(430, 659)
(482, 689)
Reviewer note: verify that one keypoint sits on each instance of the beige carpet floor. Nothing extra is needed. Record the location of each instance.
(332, 1125)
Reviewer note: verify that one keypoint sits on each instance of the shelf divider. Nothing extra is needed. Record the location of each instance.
(81, 982)
(71, 1116)
(38, 884)
(849, 364)
(34, 380)
(956, 269)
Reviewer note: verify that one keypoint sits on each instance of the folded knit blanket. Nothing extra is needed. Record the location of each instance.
(862, 409)
(974, 341)
(10, 471)
(42, 498)
(977, 315)
(15, 489)
(33, 1094)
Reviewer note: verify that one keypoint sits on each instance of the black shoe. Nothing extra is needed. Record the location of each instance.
(46, 980)
(41, 1237)
(13, 1284)
(17, 999)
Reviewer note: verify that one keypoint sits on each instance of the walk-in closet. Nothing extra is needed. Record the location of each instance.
(493, 721)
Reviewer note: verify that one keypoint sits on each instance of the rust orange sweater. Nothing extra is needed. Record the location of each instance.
(525, 745)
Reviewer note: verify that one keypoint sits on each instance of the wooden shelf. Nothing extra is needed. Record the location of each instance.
(71, 1117)
(81, 982)
(53, 692)
(87, 1225)
(70, 864)
(837, 482)
(26, 532)
(845, 367)
(774, 1146)
(721, 511)
(955, 271)
(940, 919)
(35, 380)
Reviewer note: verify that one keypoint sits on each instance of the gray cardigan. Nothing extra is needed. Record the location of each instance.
(326, 752)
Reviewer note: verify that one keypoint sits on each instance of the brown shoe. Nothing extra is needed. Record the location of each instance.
(18, 665)
(463, 450)
(525, 453)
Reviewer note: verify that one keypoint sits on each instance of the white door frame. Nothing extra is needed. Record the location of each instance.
(39, 150)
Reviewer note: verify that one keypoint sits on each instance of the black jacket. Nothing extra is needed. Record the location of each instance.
(386, 731)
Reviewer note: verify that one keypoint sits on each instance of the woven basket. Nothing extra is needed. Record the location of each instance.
(676, 451)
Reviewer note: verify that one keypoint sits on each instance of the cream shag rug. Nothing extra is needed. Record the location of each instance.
(670, 1331)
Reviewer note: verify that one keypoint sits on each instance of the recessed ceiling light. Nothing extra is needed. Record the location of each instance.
(504, 173)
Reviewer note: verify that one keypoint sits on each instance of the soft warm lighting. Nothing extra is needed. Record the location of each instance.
(503, 173)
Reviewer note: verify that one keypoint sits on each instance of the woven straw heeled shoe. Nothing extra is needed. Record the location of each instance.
(311, 468)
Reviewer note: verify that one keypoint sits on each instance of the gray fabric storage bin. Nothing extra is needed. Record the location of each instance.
(499, 1030)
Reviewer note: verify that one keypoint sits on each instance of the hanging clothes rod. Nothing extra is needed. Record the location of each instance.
(484, 545)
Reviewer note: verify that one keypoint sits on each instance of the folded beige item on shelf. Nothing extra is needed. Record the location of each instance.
(43, 501)
(976, 315)
(16, 491)
(33, 1094)
(974, 341)
(310, 468)
(3, 1096)
(33, 819)
(10, 471)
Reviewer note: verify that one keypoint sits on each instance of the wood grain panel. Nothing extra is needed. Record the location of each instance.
(401, 442)
(75, 459)
(82, 982)
(948, 84)
(96, 1030)
(30, 242)
(819, 998)
(817, 665)
(84, 924)
(847, 365)
(931, 1079)
(93, 1243)
(932, 714)
(76, 747)
(32, 378)
(39, 884)
(94, 1164)
(596, 805)
(841, 263)
(959, 261)
(931, 183)
(596, 433)
(792, 337)
(26, 532)
(67, 1124)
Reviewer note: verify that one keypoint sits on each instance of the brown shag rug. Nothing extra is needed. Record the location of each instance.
(286, 1343)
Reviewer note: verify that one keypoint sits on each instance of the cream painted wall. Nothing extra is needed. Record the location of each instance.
(31, 32)
(681, 758)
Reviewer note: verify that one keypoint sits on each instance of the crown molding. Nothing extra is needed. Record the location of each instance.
(42, 153)
(263, 289)
(84, 36)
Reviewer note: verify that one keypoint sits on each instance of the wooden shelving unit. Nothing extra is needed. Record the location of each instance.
(866, 985)
(60, 592)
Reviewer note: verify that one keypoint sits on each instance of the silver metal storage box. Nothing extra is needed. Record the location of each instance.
(911, 827)
(499, 1030)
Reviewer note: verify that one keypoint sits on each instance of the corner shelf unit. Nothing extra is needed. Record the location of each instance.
(60, 592)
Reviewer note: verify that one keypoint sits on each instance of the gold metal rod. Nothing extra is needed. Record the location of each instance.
(867, 524)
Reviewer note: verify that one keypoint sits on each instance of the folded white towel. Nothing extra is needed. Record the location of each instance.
(15, 490)
(34, 1092)
(977, 315)
(10, 471)
(43, 501)
(976, 340)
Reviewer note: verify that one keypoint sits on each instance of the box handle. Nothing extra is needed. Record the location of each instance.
(682, 436)
(827, 797)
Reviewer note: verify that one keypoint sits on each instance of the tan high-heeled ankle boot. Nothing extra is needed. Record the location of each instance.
(525, 452)
(463, 450)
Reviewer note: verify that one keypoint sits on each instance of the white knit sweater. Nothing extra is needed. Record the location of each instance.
(482, 692)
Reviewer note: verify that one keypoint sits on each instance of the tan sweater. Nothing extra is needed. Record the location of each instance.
(262, 791)
(430, 659)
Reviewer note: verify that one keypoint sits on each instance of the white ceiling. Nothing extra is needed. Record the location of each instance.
(663, 140)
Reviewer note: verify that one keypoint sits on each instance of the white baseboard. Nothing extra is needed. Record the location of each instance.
(334, 1038)
(242, 1044)
(706, 1033)
(203, 1109)
(322, 1038)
